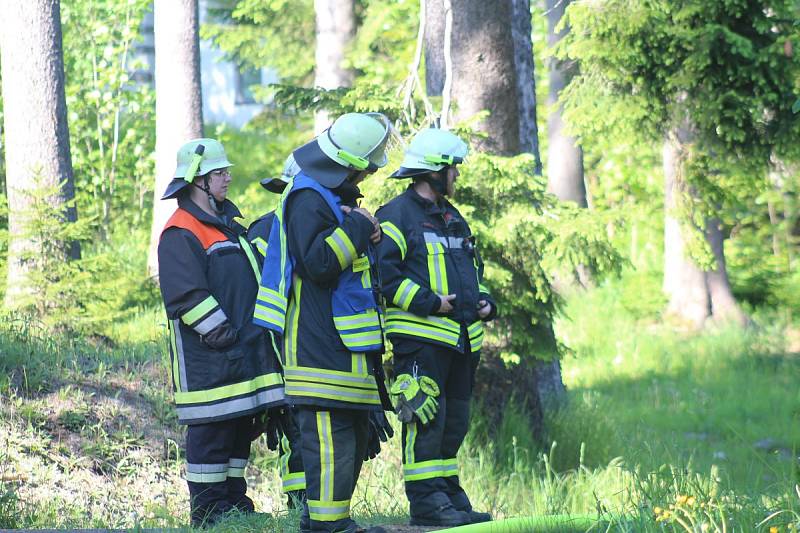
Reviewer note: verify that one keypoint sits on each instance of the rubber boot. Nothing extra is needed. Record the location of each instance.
(444, 515)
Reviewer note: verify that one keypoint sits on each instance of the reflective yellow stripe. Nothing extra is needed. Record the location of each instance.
(437, 271)
(328, 510)
(296, 481)
(405, 294)
(449, 467)
(391, 231)
(206, 473)
(411, 439)
(268, 295)
(269, 315)
(326, 464)
(290, 341)
(248, 251)
(359, 363)
(176, 379)
(261, 246)
(333, 377)
(361, 320)
(475, 332)
(332, 392)
(228, 391)
(342, 246)
(423, 470)
(362, 339)
(482, 288)
(198, 311)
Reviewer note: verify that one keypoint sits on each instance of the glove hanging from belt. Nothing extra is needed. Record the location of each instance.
(415, 396)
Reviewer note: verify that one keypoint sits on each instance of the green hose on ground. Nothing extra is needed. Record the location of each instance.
(531, 524)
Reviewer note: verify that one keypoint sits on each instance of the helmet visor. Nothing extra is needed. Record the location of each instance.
(391, 142)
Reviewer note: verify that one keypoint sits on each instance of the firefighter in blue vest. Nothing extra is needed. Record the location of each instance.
(431, 277)
(224, 369)
(318, 290)
(282, 431)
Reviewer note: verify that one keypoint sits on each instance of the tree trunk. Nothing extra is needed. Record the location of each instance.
(179, 102)
(493, 70)
(526, 83)
(694, 295)
(484, 73)
(36, 131)
(564, 156)
(434, 47)
(336, 27)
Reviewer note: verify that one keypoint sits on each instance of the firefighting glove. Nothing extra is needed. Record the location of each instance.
(269, 423)
(221, 337)
(415, 397)
(259, 425)
(379, 431)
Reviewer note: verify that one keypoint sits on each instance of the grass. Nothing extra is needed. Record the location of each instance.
(664, 431)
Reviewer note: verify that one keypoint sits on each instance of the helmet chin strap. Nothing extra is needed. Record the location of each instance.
(211, 200)
(438, 185)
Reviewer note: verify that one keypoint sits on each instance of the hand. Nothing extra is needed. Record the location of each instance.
(484, 308)
(376, 226)
(221, 337)
(444, 303)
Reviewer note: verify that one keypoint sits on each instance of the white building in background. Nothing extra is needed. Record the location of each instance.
(227, 98)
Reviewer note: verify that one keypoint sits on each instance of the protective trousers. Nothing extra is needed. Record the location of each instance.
(216, 456)
(333, 443)
(430, 468)
(292, 474)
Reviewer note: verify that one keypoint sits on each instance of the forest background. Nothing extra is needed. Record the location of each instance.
(632, 186)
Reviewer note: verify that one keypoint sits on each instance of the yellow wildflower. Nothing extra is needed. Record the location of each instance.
(690, 501)
(773, 529)
(681, 499)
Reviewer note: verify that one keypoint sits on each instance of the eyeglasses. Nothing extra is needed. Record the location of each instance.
(219, 173)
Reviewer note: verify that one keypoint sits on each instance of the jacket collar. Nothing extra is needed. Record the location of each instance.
(431, 208)
(225, 221)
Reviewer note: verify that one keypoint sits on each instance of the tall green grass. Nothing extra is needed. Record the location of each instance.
(663, 431)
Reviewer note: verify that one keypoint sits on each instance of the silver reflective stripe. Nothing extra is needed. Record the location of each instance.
(399, 314)
(437, 269)
(326, 453)
(328, 510)
(222, 244)
(408, 288)
(296, 390)
(430, 333)
(231, 406)
(210, 322)
(371, 318)
(409, 470)
(267, 312)
(343, 248)
(237, 463)
(447, 242)
(206, 473)
(358, 380)
(176, 327)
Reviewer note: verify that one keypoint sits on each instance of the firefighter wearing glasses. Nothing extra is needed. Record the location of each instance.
(318, 291)
(224, 369)
(431, 277)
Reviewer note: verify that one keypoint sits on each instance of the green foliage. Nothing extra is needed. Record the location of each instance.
(525, 234)
(278, 34)
(111, 117)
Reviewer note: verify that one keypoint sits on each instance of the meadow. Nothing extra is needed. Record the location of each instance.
(664, 430)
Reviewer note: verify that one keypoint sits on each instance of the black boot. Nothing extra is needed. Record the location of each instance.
(444, 515)
(476, 517)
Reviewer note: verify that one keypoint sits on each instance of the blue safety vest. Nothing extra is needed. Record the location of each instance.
(356, 314)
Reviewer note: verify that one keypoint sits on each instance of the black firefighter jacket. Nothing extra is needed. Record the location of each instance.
(222, 365)
(427, 250)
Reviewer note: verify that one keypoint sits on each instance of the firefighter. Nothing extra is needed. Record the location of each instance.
(431, 277)
(224, 369)
(282, 431)
(318, 289)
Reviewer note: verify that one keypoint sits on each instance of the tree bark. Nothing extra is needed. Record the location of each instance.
(484, 74)
(179, 102)
(336, 27)
(36, 131)
(434, 47)
(526, 83)
(564, 156)
(493, 71)
(694, 295)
